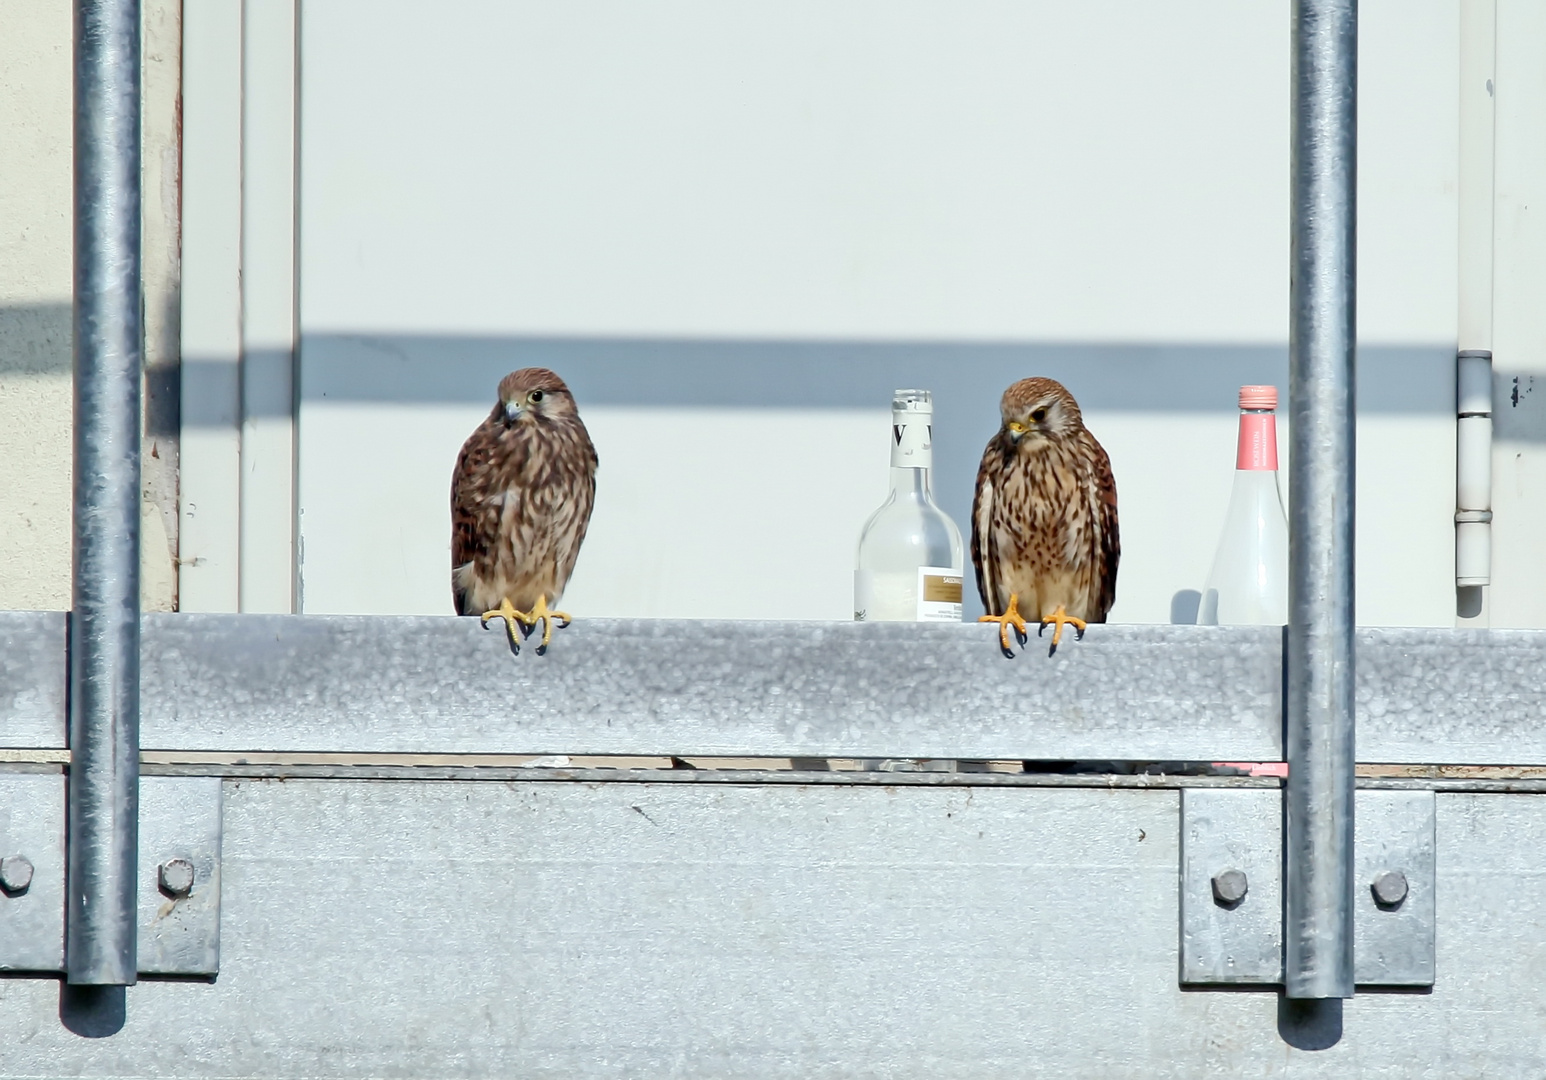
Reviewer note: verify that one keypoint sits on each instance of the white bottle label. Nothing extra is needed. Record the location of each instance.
(927, 594)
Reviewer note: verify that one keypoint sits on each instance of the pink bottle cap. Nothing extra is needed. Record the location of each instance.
(1258, 397)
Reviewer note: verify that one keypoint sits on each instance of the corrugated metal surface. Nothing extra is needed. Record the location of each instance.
(545, 930)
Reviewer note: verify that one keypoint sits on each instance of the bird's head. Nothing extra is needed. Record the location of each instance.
(1038, 410)
(530, 396)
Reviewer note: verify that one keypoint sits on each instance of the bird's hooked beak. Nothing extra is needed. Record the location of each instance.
(513, 410)
(1015, 429)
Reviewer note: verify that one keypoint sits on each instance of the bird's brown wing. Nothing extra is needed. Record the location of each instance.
(984, 561)
(469, 537)
(574, 518)
(1108, 537)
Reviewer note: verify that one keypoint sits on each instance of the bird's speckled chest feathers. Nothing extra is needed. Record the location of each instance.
(520, 510)
(1045, 506)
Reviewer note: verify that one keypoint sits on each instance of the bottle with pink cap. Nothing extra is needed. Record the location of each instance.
(1249, 579)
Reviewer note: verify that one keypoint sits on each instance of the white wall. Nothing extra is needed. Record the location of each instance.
(735, 228)
(1519, 319)
(36, 51)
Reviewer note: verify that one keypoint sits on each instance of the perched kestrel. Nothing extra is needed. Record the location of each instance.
(1044, 520)
(521, 497)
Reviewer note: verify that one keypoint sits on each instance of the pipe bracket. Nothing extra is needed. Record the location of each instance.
(180, 827)
(1241, 944)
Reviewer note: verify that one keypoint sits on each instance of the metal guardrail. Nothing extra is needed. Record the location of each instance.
(442, 685)
(750, 689)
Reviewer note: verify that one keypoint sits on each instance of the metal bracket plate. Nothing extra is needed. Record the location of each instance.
(1394, 944)
(180, 818)
(32, 827)
(1240, 942)
(1231, 829)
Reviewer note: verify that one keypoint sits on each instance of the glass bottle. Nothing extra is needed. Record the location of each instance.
(910, 553)
(1248, 583)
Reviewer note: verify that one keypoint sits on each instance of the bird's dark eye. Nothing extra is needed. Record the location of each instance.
(536, 395)
(1039, 415)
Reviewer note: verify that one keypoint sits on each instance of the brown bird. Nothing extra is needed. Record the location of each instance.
(521, 498)
(1044, 520)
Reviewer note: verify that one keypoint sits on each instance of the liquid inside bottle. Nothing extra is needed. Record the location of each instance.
(910, 555)
(1248, 583)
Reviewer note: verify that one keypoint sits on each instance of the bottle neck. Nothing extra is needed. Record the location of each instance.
(1257, 449)
(1249, 483)
(910, 483)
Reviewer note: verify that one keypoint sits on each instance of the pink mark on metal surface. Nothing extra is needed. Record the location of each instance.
(1256, 768)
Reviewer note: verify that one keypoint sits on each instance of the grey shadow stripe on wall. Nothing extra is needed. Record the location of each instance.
(39, 339)
(843, 374)
(967, 378)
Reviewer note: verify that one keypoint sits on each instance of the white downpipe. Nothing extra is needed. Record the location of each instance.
(1473, 470)
(1473, 425)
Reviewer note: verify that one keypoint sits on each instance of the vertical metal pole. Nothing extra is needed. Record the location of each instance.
(105, 622)
(1318, 909)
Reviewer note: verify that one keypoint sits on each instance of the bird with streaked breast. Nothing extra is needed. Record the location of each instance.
(1044, 518)
(521, 499)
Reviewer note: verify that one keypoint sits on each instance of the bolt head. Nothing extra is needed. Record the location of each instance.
(15, 874)
(1230, 887)
(1389, 889)
(175, 877)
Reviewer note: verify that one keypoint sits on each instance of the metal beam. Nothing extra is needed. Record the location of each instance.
(531, 929)
(104, 630)
(612, 686)
(440, 685)
(1318, 912)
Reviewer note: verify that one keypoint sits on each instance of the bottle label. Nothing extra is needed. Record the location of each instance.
(912, 440)
(1258, 449)
(939, 594)
(927, 594)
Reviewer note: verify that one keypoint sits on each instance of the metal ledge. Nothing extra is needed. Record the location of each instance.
(636, 687)
(615, 687)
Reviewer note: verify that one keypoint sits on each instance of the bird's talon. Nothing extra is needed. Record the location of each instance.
(1009, 620)
(1059, 619)
(525, 622)
(507, 612)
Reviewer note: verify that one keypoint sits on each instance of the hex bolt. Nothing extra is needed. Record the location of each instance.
(176, 877)
(1230, 887)
(1389, 889)
(15, 874)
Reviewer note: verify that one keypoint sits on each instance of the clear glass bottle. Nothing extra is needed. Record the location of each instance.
(1249, 580)
(910, 553)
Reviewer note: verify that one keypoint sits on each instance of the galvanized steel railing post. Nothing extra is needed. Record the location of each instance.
(1318, 909)
(105, 623)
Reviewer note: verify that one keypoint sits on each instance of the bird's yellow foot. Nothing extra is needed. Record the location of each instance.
(513, 618)
(527, 621)
(1059, 619)
(1010, 618)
